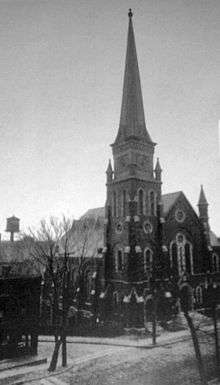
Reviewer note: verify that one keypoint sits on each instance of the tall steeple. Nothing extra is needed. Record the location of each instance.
(133, 190)
(132, 119)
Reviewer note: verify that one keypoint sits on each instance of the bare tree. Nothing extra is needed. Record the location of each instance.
(43, 248)
(58, 247)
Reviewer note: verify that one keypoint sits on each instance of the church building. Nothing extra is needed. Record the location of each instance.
(147, 235)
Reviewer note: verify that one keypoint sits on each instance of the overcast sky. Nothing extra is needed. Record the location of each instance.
(61, 73)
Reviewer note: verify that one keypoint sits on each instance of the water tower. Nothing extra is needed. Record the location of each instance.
(12, 226)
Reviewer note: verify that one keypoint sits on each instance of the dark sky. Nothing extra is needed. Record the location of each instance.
(61, 73)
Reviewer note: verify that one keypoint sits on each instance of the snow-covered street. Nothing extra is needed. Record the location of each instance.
(164, 365)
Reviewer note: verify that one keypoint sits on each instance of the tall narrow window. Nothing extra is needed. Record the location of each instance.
(124, 203)
(148, 259)
(115, 298)
(152, 203)
(120, 260)
(199, 295)
(188, 258)
(181, 255)
(174, 262)
(215, 263)
(119, 208)
(114, 204)
(140, 202)
(181, 258)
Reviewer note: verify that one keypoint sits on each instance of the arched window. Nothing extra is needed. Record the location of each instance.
(115, 298)
(114, 204)
(124, 203)
(119, 204)
(181, 255)
(215, 263)
(188, 258)
(119, 261)
(174, 261)
(152, 203)
(140, 202)
(148, 259)
(199, 295)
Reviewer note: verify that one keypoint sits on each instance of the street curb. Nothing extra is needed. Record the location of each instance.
(37, 361)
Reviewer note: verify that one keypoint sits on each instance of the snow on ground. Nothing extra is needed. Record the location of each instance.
(167, 365)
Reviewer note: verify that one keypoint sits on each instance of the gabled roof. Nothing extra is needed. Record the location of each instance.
(168, 200)
(214, 240)
(94, 213)
(92, 223)
(86, 235)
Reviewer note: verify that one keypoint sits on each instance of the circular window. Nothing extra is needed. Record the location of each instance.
(180, 238)
(148, 228)
(180, 215)
(119, 227)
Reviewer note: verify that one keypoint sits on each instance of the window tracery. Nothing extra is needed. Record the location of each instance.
(181, 255)
(199, 295)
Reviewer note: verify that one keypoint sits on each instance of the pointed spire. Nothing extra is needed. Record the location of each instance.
(109, 168)
(109, 172)
(203, 213)
(158, 167)
(158, 170)
(132, 120)
(202, 198)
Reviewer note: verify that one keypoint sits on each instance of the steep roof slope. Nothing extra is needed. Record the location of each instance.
(169, 199)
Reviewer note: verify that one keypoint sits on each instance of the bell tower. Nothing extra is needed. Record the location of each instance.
(133, 189)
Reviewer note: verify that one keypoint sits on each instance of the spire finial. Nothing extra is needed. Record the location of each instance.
(130, 13)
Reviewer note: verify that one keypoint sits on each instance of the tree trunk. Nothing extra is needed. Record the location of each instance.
(196, 348)
(154, 320)
(64, 350)
(216, 340)
(54, 359)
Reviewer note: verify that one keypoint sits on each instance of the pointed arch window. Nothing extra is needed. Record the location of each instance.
(188, 258)
(174, 260)
(119, 208)
(148, 259)
(124, 203)
(119, 260)
(152, 203)
(181, 255)
(140, 201)
(215, 263)
(199, 295)
(115, 298)
(114, 204)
